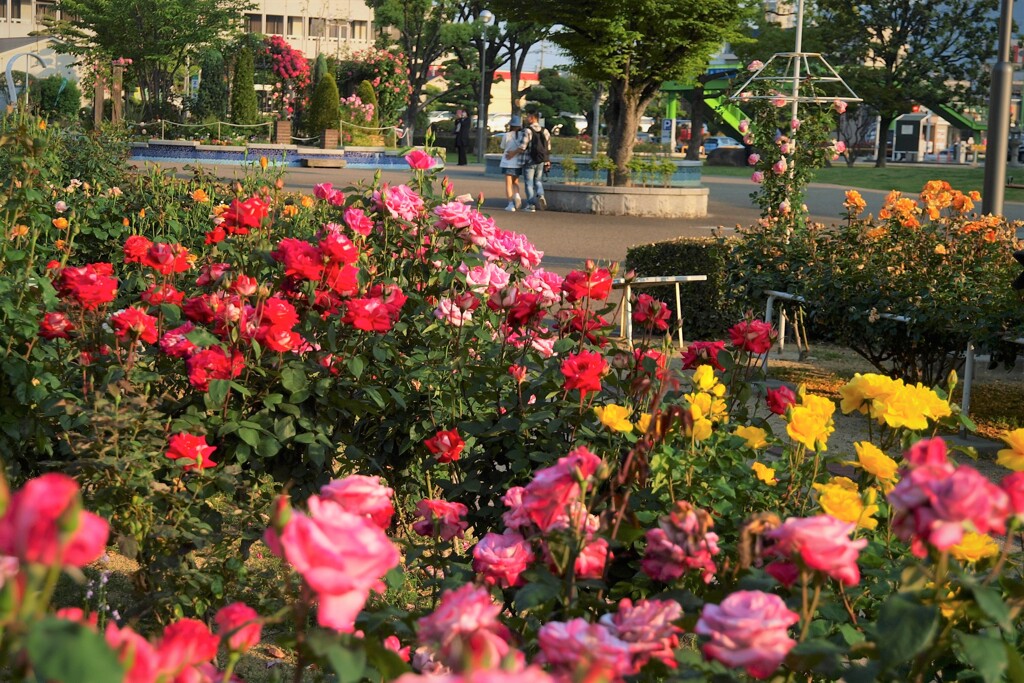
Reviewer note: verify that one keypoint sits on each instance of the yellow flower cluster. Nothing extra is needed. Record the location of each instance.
(872, 460)
(939, 194)
(755, 437)
(1013, 457)
(903, 209)
(974, 547)
(854, 203)
(810, 423)
(615, 417)
(707, 405)
(893, 402)
(841, 499)
(764, 473)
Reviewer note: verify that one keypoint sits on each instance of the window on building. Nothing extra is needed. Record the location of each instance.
(295, 26)
(45, 10)
(317, 28)
(254, 23)
(359, 30)
(275, 25)
(16, 10)
(338, 30)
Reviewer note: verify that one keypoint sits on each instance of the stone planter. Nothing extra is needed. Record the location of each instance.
(329, 139)
(282, 132)
(658, 202)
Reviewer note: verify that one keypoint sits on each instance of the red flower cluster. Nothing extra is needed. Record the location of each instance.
(133, 323)
(595, 284)
(376, 312)
(446, 445)
(239, 219)
(584, 371)
(651, 312)
(185, 446)
(754, 336)
(89, 286)
(213, 363)
(703, 353)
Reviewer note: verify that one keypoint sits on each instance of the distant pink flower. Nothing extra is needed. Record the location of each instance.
(577, 646)
(465, 628)
(501, 559)
(647, 627)
(401, 201)
(682, 540)
(362, 495)
(757, 177)
(753, 159)
(547, 498)
(591, 561)
(755, 65)
(440, 518)
(749, 630)
(743, 127)
(840, 146)
(240, 624)
(839, 106)
(779, 101)
(420, 160)
(448, 311)
(821, 543)
(780, 166)
(794, 124)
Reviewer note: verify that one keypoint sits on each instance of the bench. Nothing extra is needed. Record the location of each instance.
(969, 352)
(628, 286)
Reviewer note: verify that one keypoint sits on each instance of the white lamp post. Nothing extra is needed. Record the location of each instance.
(485, 18)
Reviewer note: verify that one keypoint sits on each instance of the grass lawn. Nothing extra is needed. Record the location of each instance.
(903, 177)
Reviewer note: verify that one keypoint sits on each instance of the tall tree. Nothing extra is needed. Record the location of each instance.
(634, 46)
(426, 30)
(556, 93)
(159, 36)
(896, 54)
(212, 100)
(244, 105)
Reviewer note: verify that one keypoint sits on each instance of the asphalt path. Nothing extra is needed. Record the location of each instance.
(567, 239)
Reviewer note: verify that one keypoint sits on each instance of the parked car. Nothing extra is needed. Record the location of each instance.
(714, 143)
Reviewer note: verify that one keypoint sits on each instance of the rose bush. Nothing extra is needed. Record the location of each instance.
(487, 486)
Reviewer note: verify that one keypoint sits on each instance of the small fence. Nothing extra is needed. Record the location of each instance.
(214, 129)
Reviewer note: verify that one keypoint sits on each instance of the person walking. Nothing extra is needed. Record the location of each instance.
(512, 168)
(535, 150)
(462, 135)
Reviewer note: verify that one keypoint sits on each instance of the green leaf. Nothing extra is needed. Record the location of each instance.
(356, 365)
(991, 603)
(987, 656)
(348, 664)
(905, 629)
(218, 391)
(249, 436)
(64, 651)
(293, 379)
(534, 594)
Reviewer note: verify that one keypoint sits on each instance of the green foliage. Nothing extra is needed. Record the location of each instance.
(556, 93)
(368, 95)
(212, 100)
(708, 307)
(244, 106)
(57, 97)
(324, 110)
(100, 30)
(320, 68)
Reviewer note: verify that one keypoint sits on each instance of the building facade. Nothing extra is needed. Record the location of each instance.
(330, 27)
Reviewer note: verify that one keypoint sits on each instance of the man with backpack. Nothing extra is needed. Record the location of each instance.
(536, 151)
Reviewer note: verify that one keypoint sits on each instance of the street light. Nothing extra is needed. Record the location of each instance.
(485, 18)
(998, 133)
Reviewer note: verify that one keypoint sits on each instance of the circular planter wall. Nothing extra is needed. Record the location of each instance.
(660, 202)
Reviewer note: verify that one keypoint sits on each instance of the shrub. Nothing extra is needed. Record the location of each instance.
(212, 100)
(324, 110)
(244, 107)
(367, 94)
(708, 307)
(56, 96)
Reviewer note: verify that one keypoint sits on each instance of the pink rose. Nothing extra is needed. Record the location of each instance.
(592, 559)
(401, 201)
(516, 517)
(577, 646)
(440, 518)
(240, 625)
(362, 495)
(185, 644)
(780, 399)
(753, 159)
(839, 106)
(780, 166)
(748, 629)
(743, 127)
(44, 524)
(547, 498)
(683, 540)
(502, 559)
(129, 646)
(357, 221)
(465, 628)
(648, 628)
(340, 555)
(757, 177)
(822, 543)
(1013, 487)
(420, 160)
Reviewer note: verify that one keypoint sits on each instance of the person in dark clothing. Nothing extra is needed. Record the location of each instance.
(462, 135)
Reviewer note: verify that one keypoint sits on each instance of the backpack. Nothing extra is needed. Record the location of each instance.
(538, 147)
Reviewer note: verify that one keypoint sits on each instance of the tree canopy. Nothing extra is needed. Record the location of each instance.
(159, 36)
(634, 46)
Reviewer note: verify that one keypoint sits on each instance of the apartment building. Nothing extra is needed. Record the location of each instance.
(331, 27)
(18, 18)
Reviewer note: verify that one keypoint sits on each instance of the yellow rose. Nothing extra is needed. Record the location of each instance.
(902, 408)
(643, 423)
(306, 201)
(931, 405)
(860, 391)
(819, 405)
(755, 437)
(765, 473)
(841, 499)
(876, 463)
(614, 417)
(704, 378)
(807, 427)
(200, 196)
(974, 547)
(1013, 457)
(701, 429)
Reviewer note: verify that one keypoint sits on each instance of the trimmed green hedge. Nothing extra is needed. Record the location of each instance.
(708, 308)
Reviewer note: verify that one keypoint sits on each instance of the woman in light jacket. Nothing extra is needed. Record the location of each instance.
(512, 168)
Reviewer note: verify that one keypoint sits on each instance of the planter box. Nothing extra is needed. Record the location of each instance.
(659, 202)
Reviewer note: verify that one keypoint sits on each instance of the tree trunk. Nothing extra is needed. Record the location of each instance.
(623, 109)
(696, 98)
(410, 121)
(884, 120)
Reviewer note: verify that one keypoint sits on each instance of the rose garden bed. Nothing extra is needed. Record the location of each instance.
(369, 426)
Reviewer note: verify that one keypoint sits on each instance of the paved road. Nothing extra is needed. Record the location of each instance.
(568, 239)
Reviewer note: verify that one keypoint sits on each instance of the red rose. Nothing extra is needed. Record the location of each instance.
(755, 336)
(134, 323)
(338, 248)
(216, 235)
(595, 284)
(90, 286)
(241, 216)
(301, 259)
(213, 363)
(190, 447)
(162, 294)
(342, 280)
(279, 339)
(54, 326)
(167, 258)
(368, 314)
(245, 285)
(701, 353)
(135, 247)
(276, 312)
(651, 312)
(446, 445)
(240, 624)
(584, 371)
(174, 342)
(780, 399)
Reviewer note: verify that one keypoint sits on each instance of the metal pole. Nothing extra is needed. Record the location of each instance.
(596, 128)
(481, 116)
(999, 118)
(798, 47)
